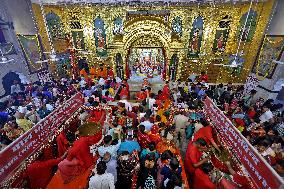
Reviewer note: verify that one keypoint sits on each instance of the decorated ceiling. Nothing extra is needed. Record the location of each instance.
(192, 38)
(138, 1)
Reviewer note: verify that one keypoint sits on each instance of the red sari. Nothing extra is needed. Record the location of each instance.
(79, 158)
(192, 156)
(98, 116)
(123, 93)
(62, 144)
(143, 139)
(166, 91)
(154, 134)
(40, 172)
(141, 95)
(202, 180)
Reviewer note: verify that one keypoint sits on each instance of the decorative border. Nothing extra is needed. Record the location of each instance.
(32, 69)
(256, 63)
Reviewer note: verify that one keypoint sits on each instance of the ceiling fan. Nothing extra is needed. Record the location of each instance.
(278, 62)
(86, 52)
(3, 59)
(52, 57)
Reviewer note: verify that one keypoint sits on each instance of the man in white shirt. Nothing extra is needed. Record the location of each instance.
(181, 121)
(101, 81)
(82, 83)
(128, 106)
(15, 88)
(151, 101)
(148, 125)
(110, 163)
(107, 147)
(101, 179)
(267, 115)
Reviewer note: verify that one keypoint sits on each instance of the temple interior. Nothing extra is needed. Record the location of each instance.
(142, 94)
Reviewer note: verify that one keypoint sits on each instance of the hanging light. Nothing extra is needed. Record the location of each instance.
(4, 59)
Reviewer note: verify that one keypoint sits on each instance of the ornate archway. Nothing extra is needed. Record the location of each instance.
(147, 33)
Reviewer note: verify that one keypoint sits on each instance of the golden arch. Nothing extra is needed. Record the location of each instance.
(152, 32)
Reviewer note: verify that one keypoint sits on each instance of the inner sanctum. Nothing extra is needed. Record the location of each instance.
(142, 94)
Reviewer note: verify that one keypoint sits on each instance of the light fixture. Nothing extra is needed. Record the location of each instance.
(4, 59)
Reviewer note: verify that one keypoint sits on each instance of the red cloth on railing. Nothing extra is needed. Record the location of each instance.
(62, 144)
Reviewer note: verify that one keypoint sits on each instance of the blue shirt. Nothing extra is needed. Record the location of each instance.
(129, 146)
(145, 152)
(87, 93)
(167, 172)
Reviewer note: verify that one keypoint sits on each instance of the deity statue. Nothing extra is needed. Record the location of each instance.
(194, 42)
(220, 42)
(101, 39)
(78, 41)
(118, 26)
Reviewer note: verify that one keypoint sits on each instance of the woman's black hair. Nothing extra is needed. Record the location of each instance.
(152, 146)
(175, 180)
(101, 167)
(207, 167)
(174, 163)
(167, 155)
(107, 139)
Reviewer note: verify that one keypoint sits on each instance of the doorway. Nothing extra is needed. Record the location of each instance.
(146, 63)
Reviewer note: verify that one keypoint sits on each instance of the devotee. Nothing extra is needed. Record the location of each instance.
(168, 171)
(193, 155)
(206, 133)
(22, 122)
(203, 77)
(147, 123)
(141, 95)
(111, 164)
(124, 92)
(108, 147)
(12, 130)
(148, 172)
(127, 165)
(201, 177)
(266, 115)
(40, 172)
(150, 150)
(102, 179)
(142, 137)
(127, 104)
(130, 144)
(166, 90)
(15, 88)
(79, 157)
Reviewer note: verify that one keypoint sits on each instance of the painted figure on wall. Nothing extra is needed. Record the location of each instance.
(222, 34)
(247, 29)
(54, 26)
(118, 26)
(32, 50)
(173, 67)
(177, 26)
(78, 39)
(272, 49)
(119, 66)
(195, 38)
(100, 37)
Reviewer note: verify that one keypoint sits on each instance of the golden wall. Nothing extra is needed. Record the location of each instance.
(154, 30)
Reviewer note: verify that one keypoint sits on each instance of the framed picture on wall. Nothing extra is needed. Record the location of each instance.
(32, 50)
(271, 49)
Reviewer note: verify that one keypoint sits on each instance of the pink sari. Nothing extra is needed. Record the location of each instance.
(70, 169)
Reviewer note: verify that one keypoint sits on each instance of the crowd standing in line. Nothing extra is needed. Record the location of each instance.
(144, 139)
